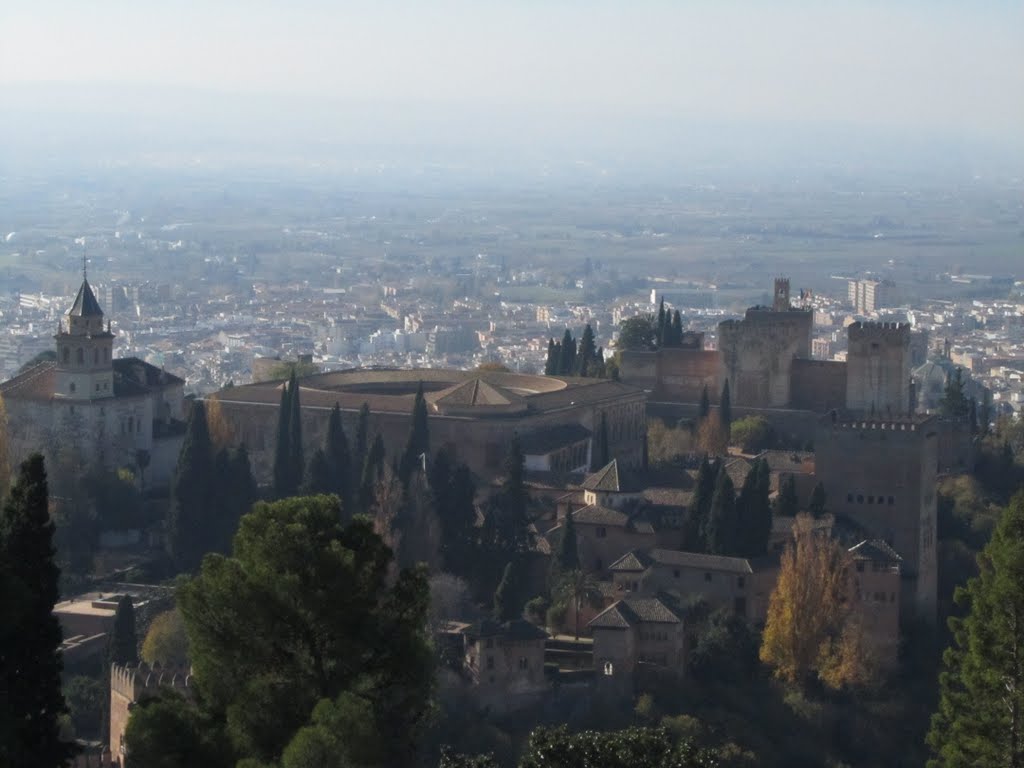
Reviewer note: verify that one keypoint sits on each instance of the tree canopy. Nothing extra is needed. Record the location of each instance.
(980, 718)
(301, 625)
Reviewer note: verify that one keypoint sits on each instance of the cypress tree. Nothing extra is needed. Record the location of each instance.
(282, 445)
(721, 522)
(554, 356)
(601, 450)
(242, 483)
(694, 529)
(568, 558)
(297, 461)
(568, 357)
(124, 643)
(788, 502)
(189, 535)
(30, 635)
(373, 467)
(985, 414)
(725, 410)
(419, 438)
(587, 353)
(705, 405)
(817, 504)
(510, 503)
(746, 513)
(762, 518)
(318, 478)
(973, 416)
(339, 460)
(459, 546)
(677, 329)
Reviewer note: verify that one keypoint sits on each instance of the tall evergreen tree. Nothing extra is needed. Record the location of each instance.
(725, 410)
(124, 642)
(339, 460)
(297, 459)
(282, 446)
(568, 356)
(460, 544)
(705, 405)
(700, 507)
(189, 535)
(586, 355)
(362, 441)
(601, 453)
(954, 403)
(568, 558)
(30, 635)
(985, 414)
(553, 359)
(318, 477)
(721, 530)
(754, 512)
(816, 506)
(980, 720)
(373, 470)
(788, 502)
(510, 503)
(418, 444)
(677, 329)
(762, 518)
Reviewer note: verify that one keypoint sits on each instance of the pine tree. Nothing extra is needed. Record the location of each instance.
(816, 506)
(189, 535)
(725, 410)
(282, 446)
(980, 720)
(788, 502)
(297, 460)
(339, 460)
(705, 405)
(720, 531)
(700, 507)
(30, 635)
(124, 643)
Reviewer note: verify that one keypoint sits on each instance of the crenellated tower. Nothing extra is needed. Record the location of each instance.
(878, 370)
(84, 350)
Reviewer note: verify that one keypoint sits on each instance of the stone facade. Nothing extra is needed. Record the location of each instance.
(878, 369)
(474, 415)
(130, 685)
(881, 474)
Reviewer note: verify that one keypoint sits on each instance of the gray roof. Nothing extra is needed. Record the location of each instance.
(85, 303)
(875, 550)
(604, 479)
(673, 557)
(595, 514)
(631, 611)
(631, 562)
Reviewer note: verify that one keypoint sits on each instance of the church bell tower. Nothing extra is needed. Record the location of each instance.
(84, 350)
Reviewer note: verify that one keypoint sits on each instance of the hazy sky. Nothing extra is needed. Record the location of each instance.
(957, 66)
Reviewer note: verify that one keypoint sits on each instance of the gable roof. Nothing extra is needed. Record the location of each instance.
(631, 562)
(631, 611)
(85, 303)
(595, 514)
(697, 560)
(604, 479)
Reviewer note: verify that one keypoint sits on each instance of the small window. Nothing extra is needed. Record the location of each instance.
(67, 354)
(609, 669)
(879, 597)
(860, 566)
(707, 577)
(490, 662)
(741, 582)
(95, 356)
(860, 498)
(849, 497)
(892, 597)
(97, 386)
(524, 663)
(80, 356)
(675, 573)
(106, 355)
(489, 643)
(601, 533)
(71, 387)
(892, 500)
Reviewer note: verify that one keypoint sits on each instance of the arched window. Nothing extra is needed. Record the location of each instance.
(80, 356)
(67, 354)
(609, 669)
(71, 387)
(106, 355)
(95, 356)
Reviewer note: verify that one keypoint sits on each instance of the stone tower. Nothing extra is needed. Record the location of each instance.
(781, 301)
(84, 369)
(878, 370)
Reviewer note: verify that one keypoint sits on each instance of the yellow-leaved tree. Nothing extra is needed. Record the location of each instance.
(811, 628)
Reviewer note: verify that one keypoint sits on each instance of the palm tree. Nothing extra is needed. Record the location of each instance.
(579, 588)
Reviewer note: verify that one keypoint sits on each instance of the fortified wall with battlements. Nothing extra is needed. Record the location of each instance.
(131, 684)
(878, 369)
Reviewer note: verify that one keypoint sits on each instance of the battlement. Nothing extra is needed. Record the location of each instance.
(839, 420)
(137, 682)
(888, 333)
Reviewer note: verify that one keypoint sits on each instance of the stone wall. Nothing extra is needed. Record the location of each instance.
(878, 369)
(757, 354)
(818, 385)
